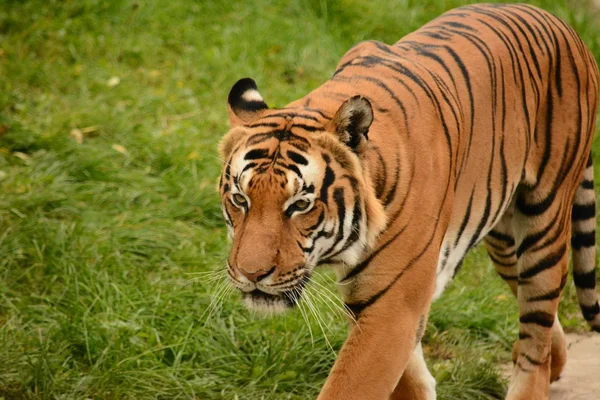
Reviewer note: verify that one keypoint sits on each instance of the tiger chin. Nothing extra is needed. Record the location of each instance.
(476, 127)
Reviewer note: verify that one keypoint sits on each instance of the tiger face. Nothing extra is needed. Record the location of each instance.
(294, 195)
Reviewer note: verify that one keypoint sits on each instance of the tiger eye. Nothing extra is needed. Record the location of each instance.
(302, 204)
(239, 199)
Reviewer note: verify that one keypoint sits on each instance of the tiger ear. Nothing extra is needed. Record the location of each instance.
(244, 103)
(351, 123)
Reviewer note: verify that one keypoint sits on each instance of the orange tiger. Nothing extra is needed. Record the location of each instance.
(477, 126)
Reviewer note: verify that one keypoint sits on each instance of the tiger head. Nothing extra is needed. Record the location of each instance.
(295, 193)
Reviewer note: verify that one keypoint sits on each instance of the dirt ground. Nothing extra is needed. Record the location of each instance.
(580, 379)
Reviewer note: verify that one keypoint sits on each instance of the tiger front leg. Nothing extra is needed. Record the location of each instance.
(388, 329)
(416, 382)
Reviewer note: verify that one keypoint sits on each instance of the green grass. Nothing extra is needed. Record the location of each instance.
(101, 242)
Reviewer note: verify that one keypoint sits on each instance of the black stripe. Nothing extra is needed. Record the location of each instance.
(551, 295)
(533, 238)
(524, 335)
(582, 212)
(467, 82)
(509, 240)
(259, 138)
(338, 196)
(320, 219)
(531, 50)
(248, 166)
(361, 306)
(377, 82)
(534, 209)
(500, 263)
(365, 263)
(499, 250)
(436, 35)
(380, 180)
(587, 184)
(459, 26)
(522, 368)
(327, 182)
(320, 112)
(558, 235)
(513, 53)
(228, 219)
(317, 236)
(466, 218)
(529, 28)
(507, 277)
(297, 158)
(545, 263)
(228, 169)
(531, 360)
(308, 128)
(287, 113)
(583, 239)
(585, 280)
(540, 318)
(264, 125)
(356, 218)
(590, 312)
(291, 167)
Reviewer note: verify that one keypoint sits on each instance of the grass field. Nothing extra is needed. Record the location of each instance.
(110, 226)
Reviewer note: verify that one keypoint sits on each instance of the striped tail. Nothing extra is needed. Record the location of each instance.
(583, 244)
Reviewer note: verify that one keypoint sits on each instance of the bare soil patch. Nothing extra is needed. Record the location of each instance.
(579, 380)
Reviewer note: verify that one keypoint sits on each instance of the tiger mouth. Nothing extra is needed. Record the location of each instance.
(259, 296)
(290, 297)
(266, 302)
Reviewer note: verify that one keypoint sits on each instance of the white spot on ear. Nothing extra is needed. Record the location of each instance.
(252, 95)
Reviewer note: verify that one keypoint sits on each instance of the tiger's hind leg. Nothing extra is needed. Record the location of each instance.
(416, 382)
(501, 247)
(542, 233)
(558, 352)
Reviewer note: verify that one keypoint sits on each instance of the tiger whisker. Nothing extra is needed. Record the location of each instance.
(209, 269)
(309, 301)
(219, 288)
(221, 299)
(216, 297)
(302, 312)
(216, 274)
(222, 288)
(328, 302)
(205, 273)
(207, 280)
(217, 157)
(340, 306)
(346, 283)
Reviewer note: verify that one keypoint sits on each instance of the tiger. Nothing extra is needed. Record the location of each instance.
(476, 127)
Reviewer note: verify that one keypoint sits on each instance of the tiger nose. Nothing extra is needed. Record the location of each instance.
(257, 275)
